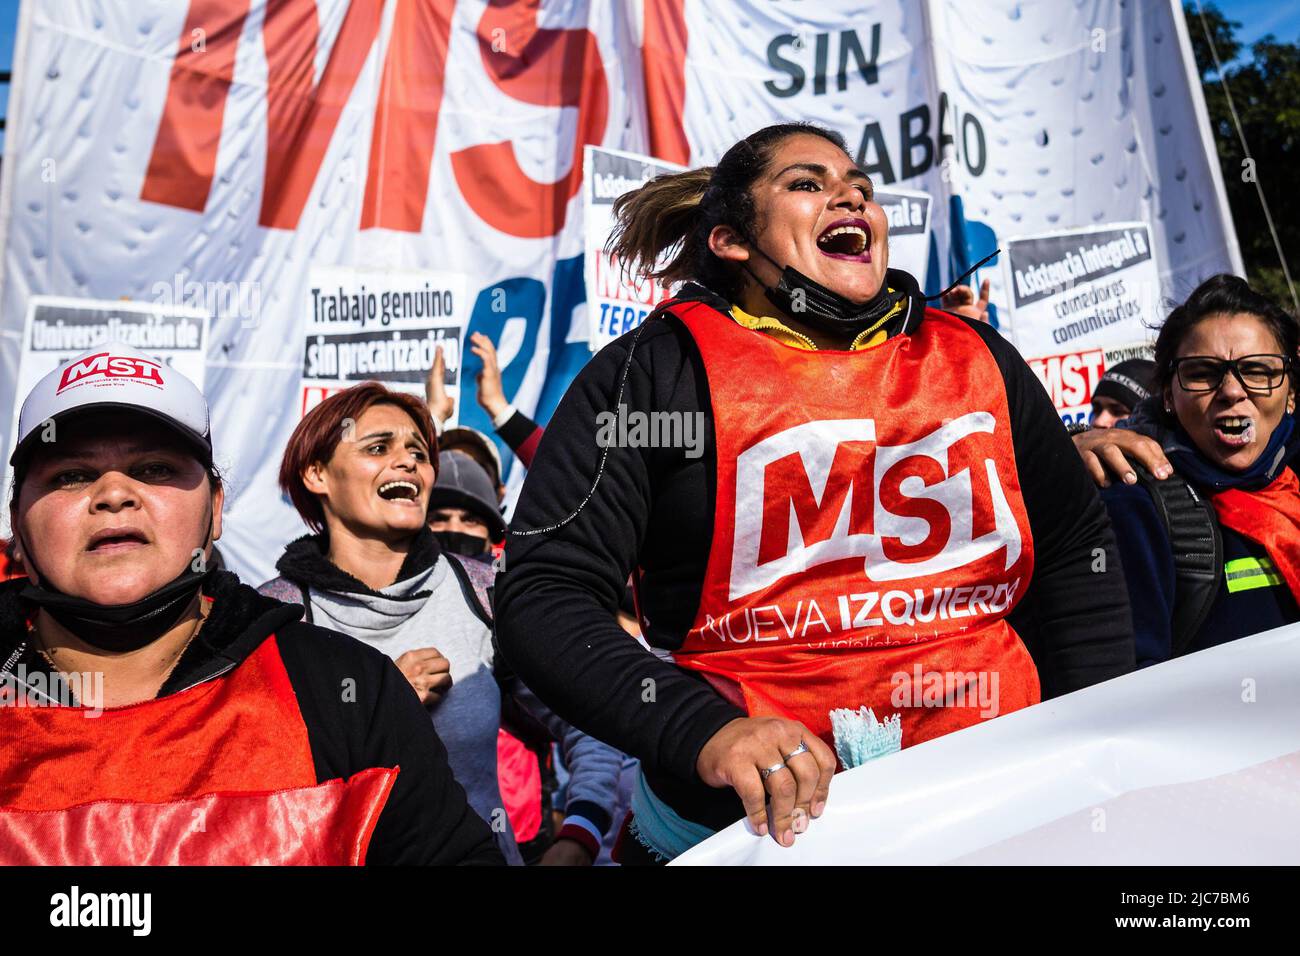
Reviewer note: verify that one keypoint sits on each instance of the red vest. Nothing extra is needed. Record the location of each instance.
(870, 535)
(219, 773)
(1270, 517)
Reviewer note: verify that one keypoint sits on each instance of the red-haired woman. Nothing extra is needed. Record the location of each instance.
(359, 469)
(832, 498)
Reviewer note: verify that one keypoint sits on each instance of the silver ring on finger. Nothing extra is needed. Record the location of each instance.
(801, 749)
(768, 771)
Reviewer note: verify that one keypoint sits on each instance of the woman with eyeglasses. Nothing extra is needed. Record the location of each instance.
(1211, 551)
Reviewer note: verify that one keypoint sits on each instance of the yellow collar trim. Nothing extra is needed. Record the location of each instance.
(768, 325)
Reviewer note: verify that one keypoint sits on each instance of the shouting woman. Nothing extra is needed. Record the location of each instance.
(1211, 545)
(832, 499)
(359, 468)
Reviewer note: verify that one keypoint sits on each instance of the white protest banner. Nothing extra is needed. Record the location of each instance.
(448, 136)
(441, 137)
(617, 301)
(1071, 377)
(384, 326)
(1193, 761)
(57, 329)
(908, 211)
(1017, 118)
(1081, 288)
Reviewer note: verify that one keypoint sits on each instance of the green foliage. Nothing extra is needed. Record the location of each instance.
(1266, 95)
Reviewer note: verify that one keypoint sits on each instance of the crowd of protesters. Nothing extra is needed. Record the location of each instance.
(663, 640)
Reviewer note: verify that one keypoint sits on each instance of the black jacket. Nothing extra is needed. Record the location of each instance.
(654, 507)
(426, 819)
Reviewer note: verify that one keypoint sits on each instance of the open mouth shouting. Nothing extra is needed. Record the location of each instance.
(846, 239)
(1236, 431)
(402, 492)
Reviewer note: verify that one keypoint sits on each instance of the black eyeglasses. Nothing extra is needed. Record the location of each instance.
(1256, 373)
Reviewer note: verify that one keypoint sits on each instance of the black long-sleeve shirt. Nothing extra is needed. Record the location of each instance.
(426, 819)
(572, 547)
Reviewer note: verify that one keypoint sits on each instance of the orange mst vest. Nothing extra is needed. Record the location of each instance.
(870, 535)
(221, 773)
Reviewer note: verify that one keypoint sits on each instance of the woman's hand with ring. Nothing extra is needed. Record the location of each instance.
(798, 781)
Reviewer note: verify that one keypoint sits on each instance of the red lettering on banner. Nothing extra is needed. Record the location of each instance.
(786, 486)
(612, 282)
(546, 68)
(110, 366)
(933, 513)
(184, 157)
(313, 395)
(663, 58)
(1070, 378)
(301, 115)
(406, 118)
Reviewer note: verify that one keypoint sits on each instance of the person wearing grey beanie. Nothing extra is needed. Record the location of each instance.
(463, 511)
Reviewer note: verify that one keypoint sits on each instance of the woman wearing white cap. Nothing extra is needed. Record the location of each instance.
(220, 735)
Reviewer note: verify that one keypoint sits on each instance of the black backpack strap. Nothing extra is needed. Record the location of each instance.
(1197, 546)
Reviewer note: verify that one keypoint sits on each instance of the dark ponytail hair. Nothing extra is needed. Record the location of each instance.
(676, 212)
(1223, 295)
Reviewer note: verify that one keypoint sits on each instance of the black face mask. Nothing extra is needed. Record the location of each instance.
(466, 545)
(817, 306)
(120, 627)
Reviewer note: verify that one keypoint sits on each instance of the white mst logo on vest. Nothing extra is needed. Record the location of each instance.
(817, 444)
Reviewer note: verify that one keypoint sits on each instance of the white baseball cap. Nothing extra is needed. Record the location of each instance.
(116, 376)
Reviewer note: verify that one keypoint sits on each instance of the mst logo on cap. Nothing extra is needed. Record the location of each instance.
(108, 365)
(118, 378)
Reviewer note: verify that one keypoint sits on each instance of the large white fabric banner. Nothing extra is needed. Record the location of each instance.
(231, 147)
(1016, 117)
(1194, 761)
(254, 141)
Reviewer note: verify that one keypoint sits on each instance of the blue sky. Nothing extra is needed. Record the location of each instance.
(8, 25)
(1257, 18)
(1260, 17)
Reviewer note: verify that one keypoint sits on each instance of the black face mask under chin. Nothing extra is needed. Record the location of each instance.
(466, 545)
(120, 627)
(813, 304)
